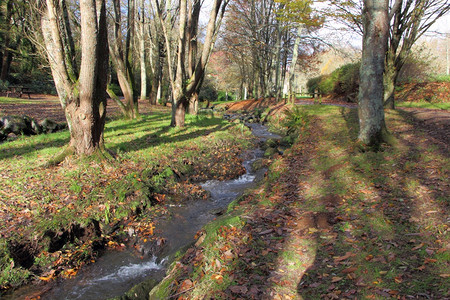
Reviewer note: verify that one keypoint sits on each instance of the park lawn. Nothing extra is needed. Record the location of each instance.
(331, 222)
(42, 208)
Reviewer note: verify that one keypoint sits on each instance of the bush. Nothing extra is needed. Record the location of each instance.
(224, 96)
(207, 92)
(115, 88)
(296, 119)
(4, 86)
(343, 81)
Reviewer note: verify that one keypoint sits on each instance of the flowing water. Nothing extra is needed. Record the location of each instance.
(116, 272)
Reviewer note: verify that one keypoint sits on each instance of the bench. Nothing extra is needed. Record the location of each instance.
(18, 90)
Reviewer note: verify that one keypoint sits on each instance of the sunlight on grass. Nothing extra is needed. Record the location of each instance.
(82, 189)
(428, 105)
(11, 100)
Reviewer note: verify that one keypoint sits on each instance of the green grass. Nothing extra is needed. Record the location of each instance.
(440, 78)
(383, 236)
(148, 153)
(428, 105)
(11, 100)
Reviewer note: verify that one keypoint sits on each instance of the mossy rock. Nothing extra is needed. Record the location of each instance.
(139, 291)
(272, 143)
(270, 152)
(258, 164)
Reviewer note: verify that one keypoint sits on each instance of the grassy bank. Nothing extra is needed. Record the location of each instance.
(330, 222)
(56, 219)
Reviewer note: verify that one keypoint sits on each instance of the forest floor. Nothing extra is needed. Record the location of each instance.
(327, 222)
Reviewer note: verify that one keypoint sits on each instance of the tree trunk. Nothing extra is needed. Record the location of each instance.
(390, 77)
(7, 56)
(83, 101)
(293, 64)
(120, 62)
(156, 79)
(370, 109)
(193, 104)
(129, 55)
(88, 114)
(142, 51)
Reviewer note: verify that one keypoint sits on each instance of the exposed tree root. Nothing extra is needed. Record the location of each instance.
(59, 158)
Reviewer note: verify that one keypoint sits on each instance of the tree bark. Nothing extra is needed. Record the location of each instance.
(6, 55)
(183, 86)
(370, 108)
(84, 99)
(293, 64)
(119, 57)
(142, 51)
(390, 79)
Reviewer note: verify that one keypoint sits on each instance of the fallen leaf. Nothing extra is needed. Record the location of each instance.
(344, 257)
(200, 240)
(369, 257)
(444, 275)
(186, 285)
(217, 277)
(239, 289)
(218, 264)
(430, 260)
(312, 230)
(418, 247)
(47, 276)
(228, 255)
(336, 279)
(349, 270)
(265, 231)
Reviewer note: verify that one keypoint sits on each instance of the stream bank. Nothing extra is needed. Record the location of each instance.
(116, 272)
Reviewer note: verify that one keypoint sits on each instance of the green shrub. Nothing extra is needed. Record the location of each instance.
(207, 92)
(3, 85)
(224, 96)
(296, 119)
(116, 89)
(343, 81)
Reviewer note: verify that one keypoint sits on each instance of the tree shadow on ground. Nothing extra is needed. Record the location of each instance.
(331, 222)
(436, 127)
(156, 138)
(9, 152)
(381, 244)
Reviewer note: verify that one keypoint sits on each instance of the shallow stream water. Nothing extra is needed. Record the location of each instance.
(114, 273)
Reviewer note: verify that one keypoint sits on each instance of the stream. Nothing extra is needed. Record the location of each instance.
(114, 273)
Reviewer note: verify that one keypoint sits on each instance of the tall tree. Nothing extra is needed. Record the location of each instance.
(121, 55)
(409, 20)
(6, 34)
(142, 52)
(370, 109)
(82, 94)
(183, 85)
